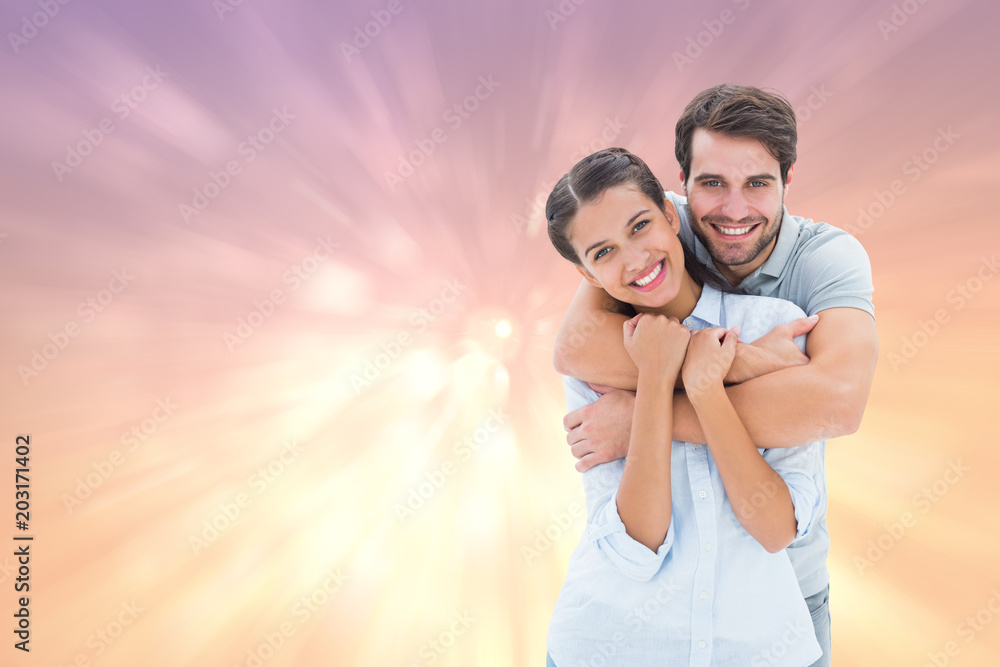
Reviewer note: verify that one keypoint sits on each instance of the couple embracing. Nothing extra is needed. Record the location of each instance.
(714, 344)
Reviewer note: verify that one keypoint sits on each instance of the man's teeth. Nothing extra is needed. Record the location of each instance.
(734, 231)
(642, 282)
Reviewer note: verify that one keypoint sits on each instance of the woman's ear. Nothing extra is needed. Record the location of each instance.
(672, 218)
(586, 276)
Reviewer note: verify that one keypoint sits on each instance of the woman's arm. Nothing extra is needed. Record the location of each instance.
(758, 495)
(657, 345)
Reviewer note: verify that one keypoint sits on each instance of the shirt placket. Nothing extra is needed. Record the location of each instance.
(703, 593)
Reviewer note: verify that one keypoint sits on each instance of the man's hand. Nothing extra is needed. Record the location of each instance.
(599, 432)
(774, 351)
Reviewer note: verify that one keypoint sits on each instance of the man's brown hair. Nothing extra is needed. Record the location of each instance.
(739, 111)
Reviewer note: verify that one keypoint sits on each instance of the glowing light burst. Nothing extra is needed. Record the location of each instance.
(371, 283)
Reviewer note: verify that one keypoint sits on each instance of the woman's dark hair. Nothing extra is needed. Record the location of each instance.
(588, 180)
(739, 111)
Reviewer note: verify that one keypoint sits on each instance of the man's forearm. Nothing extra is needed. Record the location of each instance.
(786, 408)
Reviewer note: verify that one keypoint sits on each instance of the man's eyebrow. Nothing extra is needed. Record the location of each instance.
(719, 177)
(629, 222)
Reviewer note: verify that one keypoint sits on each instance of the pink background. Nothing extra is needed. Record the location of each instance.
(117, 519)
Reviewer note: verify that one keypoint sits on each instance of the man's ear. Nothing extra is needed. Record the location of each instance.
(788, 178)
(589, 278)
(671, 214)
(684, 185)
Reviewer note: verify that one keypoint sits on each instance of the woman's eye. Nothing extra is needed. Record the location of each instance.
(600, 253)
(639, 225)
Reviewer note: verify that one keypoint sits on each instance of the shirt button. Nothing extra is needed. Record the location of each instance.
(702, 494)
(704, 595)
(708, 546)
(701, 644)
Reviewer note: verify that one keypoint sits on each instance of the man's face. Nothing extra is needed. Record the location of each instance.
(736, 199)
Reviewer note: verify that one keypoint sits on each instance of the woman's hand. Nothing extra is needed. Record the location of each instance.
(656, 343)
(708, 361)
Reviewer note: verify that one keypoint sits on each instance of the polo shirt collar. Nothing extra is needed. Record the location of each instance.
(709, 306)
(788, 233)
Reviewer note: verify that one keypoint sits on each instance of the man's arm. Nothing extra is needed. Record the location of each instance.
(589, 342)
(588, 345)
(822, 399)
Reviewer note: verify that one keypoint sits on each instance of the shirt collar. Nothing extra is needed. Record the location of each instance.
(709, 307)
(788, 233)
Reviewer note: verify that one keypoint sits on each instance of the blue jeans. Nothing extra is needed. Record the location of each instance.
(819, 609)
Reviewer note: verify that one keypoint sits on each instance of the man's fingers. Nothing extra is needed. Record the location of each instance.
(573, 419)
(587, 462)
(600, 388)
(581, 449)
(803, 325)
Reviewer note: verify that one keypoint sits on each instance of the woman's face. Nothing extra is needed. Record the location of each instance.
(629, 247)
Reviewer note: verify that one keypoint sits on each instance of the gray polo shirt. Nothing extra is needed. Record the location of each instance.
(815, 266)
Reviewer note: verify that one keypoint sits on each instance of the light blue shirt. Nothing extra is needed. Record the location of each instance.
(815, 266)
(710, 596)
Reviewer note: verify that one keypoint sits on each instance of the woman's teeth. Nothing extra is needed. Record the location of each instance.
(734, 231)
(642, 282)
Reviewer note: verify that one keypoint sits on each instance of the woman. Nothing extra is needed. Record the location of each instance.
(682, 561)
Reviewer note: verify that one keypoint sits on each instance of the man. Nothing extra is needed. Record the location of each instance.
(736, 149)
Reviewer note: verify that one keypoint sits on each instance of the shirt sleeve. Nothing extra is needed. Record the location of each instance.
(841, 275)
(801, 468)
(604, 523)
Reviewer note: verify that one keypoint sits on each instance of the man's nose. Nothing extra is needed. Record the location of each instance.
(735, 206)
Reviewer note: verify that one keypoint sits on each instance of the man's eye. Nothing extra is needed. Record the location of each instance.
(712, 184)
(757, 184)
(600, 253)
(639, 225)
